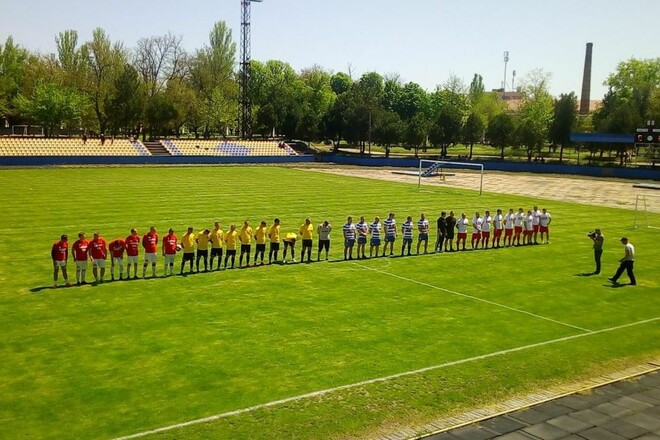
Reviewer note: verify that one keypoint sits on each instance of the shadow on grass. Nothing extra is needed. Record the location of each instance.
(615, 285)
(586, 274)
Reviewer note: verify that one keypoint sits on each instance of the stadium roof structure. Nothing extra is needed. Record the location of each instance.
(603, 138)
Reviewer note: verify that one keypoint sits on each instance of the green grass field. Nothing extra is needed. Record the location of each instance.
(126, 357)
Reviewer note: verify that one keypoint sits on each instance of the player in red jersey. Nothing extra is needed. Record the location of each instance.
(169, 250)
(117, 248)
(132, 249)
(60, 254)
(150, 245)
(80, 255)
(99, 252)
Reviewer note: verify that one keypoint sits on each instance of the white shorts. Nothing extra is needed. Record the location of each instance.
(81, 265)
(58, 263)
(99, 263)
(118, 260)
(132, 259)
(150, 257)
(169, 258)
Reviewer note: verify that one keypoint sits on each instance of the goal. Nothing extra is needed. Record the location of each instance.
(439, 168)
(646, 208)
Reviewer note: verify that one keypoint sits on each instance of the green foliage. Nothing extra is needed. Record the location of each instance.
(473, 131)
(12, 71)
(564, 121)
(125, 107)
(500, 132)
(53, 106)
(535, 113)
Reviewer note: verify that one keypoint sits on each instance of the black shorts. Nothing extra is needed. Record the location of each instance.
(216, 252)
(188, 256)
(245, 248)
(202, 253)
(324, 244)
(261, 247)
(275, 246)
(290, 244)
(231, 252)
(307, 243)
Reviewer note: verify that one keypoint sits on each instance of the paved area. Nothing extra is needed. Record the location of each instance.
(628, 409)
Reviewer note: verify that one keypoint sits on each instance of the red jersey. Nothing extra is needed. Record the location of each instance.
(60, 250)
(98, 249)
(169, 244)
(80, 248)
(150, 242)
(117, 248)
(132, 243)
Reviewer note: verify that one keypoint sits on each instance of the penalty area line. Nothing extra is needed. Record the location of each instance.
(379, 379)
(475, 298)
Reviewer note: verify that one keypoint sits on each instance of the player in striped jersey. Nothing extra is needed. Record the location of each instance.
(374, 230)
(349, 238)
(390, 234)
(407, 231)
(423, 228)
(362, 229)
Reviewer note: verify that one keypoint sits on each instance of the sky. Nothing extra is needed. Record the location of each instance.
(421, 41)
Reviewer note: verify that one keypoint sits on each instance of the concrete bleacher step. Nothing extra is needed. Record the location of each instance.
(156, 148)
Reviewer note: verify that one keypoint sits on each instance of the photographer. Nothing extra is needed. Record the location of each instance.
(598, 238)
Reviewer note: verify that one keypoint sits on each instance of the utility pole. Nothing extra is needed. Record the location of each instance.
(246, 71)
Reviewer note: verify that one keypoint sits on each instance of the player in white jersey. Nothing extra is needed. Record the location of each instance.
(462, 226)
(528, 227)
(518, 226)
(498, 226)
(407, 232)
(375, 229)
(423, 229)
(536, 215)
(485, 229)
(509, 221)
(544, 225)
(349, 238)
(390, 234)
(362, 229)
(477, 223)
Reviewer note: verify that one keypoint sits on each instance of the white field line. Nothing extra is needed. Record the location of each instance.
(475, 298)
(379, 379)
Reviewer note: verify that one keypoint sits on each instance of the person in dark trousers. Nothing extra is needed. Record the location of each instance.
(442, 228)
(449, 232)
(626, 263)
(598, 239)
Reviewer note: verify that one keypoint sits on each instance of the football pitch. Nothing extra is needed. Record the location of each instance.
(324, 350)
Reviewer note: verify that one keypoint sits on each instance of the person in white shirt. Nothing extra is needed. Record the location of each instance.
(509, 221)
(423, 229)
(477, 223)
(485, 230)
(626, 263)
(375, 230)
(528, 227)
(461, 226)
(324, 230)
(390, 233)
(518, 226)
(498, 226)
(349, 238)
(536, 214)
(544, 222)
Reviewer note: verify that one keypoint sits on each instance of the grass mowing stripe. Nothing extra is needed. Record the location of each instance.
(380, 379)
(464, 295)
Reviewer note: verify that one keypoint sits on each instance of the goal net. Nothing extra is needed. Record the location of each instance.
(442, 170)
(647, 211)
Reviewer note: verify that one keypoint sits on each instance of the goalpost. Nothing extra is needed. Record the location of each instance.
(431, 168)
(642, 204)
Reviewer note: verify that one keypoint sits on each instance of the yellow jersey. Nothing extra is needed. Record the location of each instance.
(246, 235)
(217, 239)
(202, 241)
(260, 235)
(188, 243)
(307, 231)
(290, 237)
(231, 239)
(274, 234)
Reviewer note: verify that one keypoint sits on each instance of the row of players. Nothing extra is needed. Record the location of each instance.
(511, 227)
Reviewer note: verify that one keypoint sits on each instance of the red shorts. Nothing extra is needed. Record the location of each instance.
(518, 229)
(476, 236)
(543, 229)
(485, 234)
(461, 236)
(536, 228)
(508, 232)
(498, 233)
(528, 232)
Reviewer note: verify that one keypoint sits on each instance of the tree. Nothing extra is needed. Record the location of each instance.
(317, 97)
(535, 112)
(416, 132)
(160, 59)
(53, 106)
(500, 132)
(445, 129)
(477, 89)
(473, 131)
(12, 71)
(125, 107)
(389, 131)
(340, 83)
(160, 114)
(563, 122)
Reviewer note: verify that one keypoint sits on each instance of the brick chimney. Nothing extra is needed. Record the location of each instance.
(586, 81)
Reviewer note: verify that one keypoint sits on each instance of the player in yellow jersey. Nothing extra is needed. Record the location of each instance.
(260, 236)
(245, 237)
(231, 239)
(274, 237)
(290, 242)
(217, 239)
(203, 249)
(188, 243)
(307, 234)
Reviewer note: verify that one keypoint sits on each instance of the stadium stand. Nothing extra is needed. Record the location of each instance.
(203, 147)
(37, 146)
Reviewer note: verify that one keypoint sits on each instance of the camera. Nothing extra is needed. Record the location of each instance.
(591, 234)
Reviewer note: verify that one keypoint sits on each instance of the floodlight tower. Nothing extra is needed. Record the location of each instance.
(506, 60)
(246, 104)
